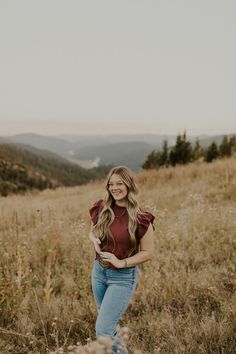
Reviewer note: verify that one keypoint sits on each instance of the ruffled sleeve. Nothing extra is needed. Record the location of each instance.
(95, 210)
(145, 218)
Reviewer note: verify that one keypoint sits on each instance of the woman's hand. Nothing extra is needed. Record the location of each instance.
(110, 257)
(96, 243)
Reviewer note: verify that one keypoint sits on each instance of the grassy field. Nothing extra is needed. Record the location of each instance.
(185, 301)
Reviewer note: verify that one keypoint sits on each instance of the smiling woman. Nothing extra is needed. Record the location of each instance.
(122, 234)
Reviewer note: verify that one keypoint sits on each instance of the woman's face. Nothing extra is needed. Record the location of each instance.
(117, 188)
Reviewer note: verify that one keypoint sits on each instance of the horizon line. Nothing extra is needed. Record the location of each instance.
(114, 134)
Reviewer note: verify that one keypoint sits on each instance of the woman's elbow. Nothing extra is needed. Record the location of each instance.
(149, 255)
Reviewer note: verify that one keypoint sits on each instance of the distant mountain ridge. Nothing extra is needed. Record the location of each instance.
(53, 144)
(130, 150)
(132, 154)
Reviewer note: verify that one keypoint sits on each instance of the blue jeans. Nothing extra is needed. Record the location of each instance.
(113, 290)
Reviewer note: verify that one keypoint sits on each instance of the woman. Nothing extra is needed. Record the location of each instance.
(122, 235)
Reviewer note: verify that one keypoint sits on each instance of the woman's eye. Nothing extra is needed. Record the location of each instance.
(118, 184)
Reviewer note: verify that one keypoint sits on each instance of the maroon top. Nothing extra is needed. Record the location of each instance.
(119, 229)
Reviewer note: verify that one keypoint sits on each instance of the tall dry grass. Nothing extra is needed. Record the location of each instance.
(185, 301)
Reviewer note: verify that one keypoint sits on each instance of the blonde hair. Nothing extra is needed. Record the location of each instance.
(107, 216)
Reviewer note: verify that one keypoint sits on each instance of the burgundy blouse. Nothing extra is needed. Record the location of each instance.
(119, 228)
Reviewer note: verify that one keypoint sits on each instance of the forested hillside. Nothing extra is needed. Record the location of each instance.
(22, 170)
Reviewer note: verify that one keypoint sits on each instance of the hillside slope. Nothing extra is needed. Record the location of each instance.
(185, 299)
(21, 170)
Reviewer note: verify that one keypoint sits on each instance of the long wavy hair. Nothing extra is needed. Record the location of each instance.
(107, 216)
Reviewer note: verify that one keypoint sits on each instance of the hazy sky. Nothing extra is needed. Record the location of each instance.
(117, 66)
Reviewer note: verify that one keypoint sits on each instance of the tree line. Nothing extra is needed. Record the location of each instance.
(184, 152)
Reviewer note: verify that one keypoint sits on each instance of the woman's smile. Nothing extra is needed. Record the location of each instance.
(116, 193)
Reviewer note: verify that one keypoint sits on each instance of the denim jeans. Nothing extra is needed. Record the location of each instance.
(113, 290)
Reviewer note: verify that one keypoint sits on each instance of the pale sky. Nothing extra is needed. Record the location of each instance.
(117, 66)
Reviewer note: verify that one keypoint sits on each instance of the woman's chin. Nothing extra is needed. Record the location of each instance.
(120, 199)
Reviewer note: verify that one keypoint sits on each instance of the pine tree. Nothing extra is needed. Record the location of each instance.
(225, 148)
(151, 161)
(164, 156)
(181, 152)
(158, 158)
(212, 152)
(232, 142)
(197, 150)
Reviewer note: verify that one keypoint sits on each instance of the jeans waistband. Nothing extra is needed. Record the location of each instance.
(108, 265)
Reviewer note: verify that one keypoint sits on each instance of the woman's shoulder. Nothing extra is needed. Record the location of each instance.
(95, 209)
(98, 203)
(144, 219)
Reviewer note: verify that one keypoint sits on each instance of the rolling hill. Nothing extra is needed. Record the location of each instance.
(22, 170)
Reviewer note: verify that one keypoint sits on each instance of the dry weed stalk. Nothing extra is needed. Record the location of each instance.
(48, 289)
(41, 318)
(32, 339)
(19, 269)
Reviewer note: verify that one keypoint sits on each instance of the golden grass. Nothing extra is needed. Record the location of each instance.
(185, 301)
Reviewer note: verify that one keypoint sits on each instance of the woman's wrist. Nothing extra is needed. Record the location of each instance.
(125, 264)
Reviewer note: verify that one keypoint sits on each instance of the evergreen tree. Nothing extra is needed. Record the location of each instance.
(197, 150)
(181, 152)
(157, 158)
(152, 160)
(212, 152)
(164, 156)
(225, 148)
(232, 142)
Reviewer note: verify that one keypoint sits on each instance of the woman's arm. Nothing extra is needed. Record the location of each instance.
(94, 239)
(145, 253)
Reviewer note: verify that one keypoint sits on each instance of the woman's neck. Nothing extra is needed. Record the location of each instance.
(121, 203)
